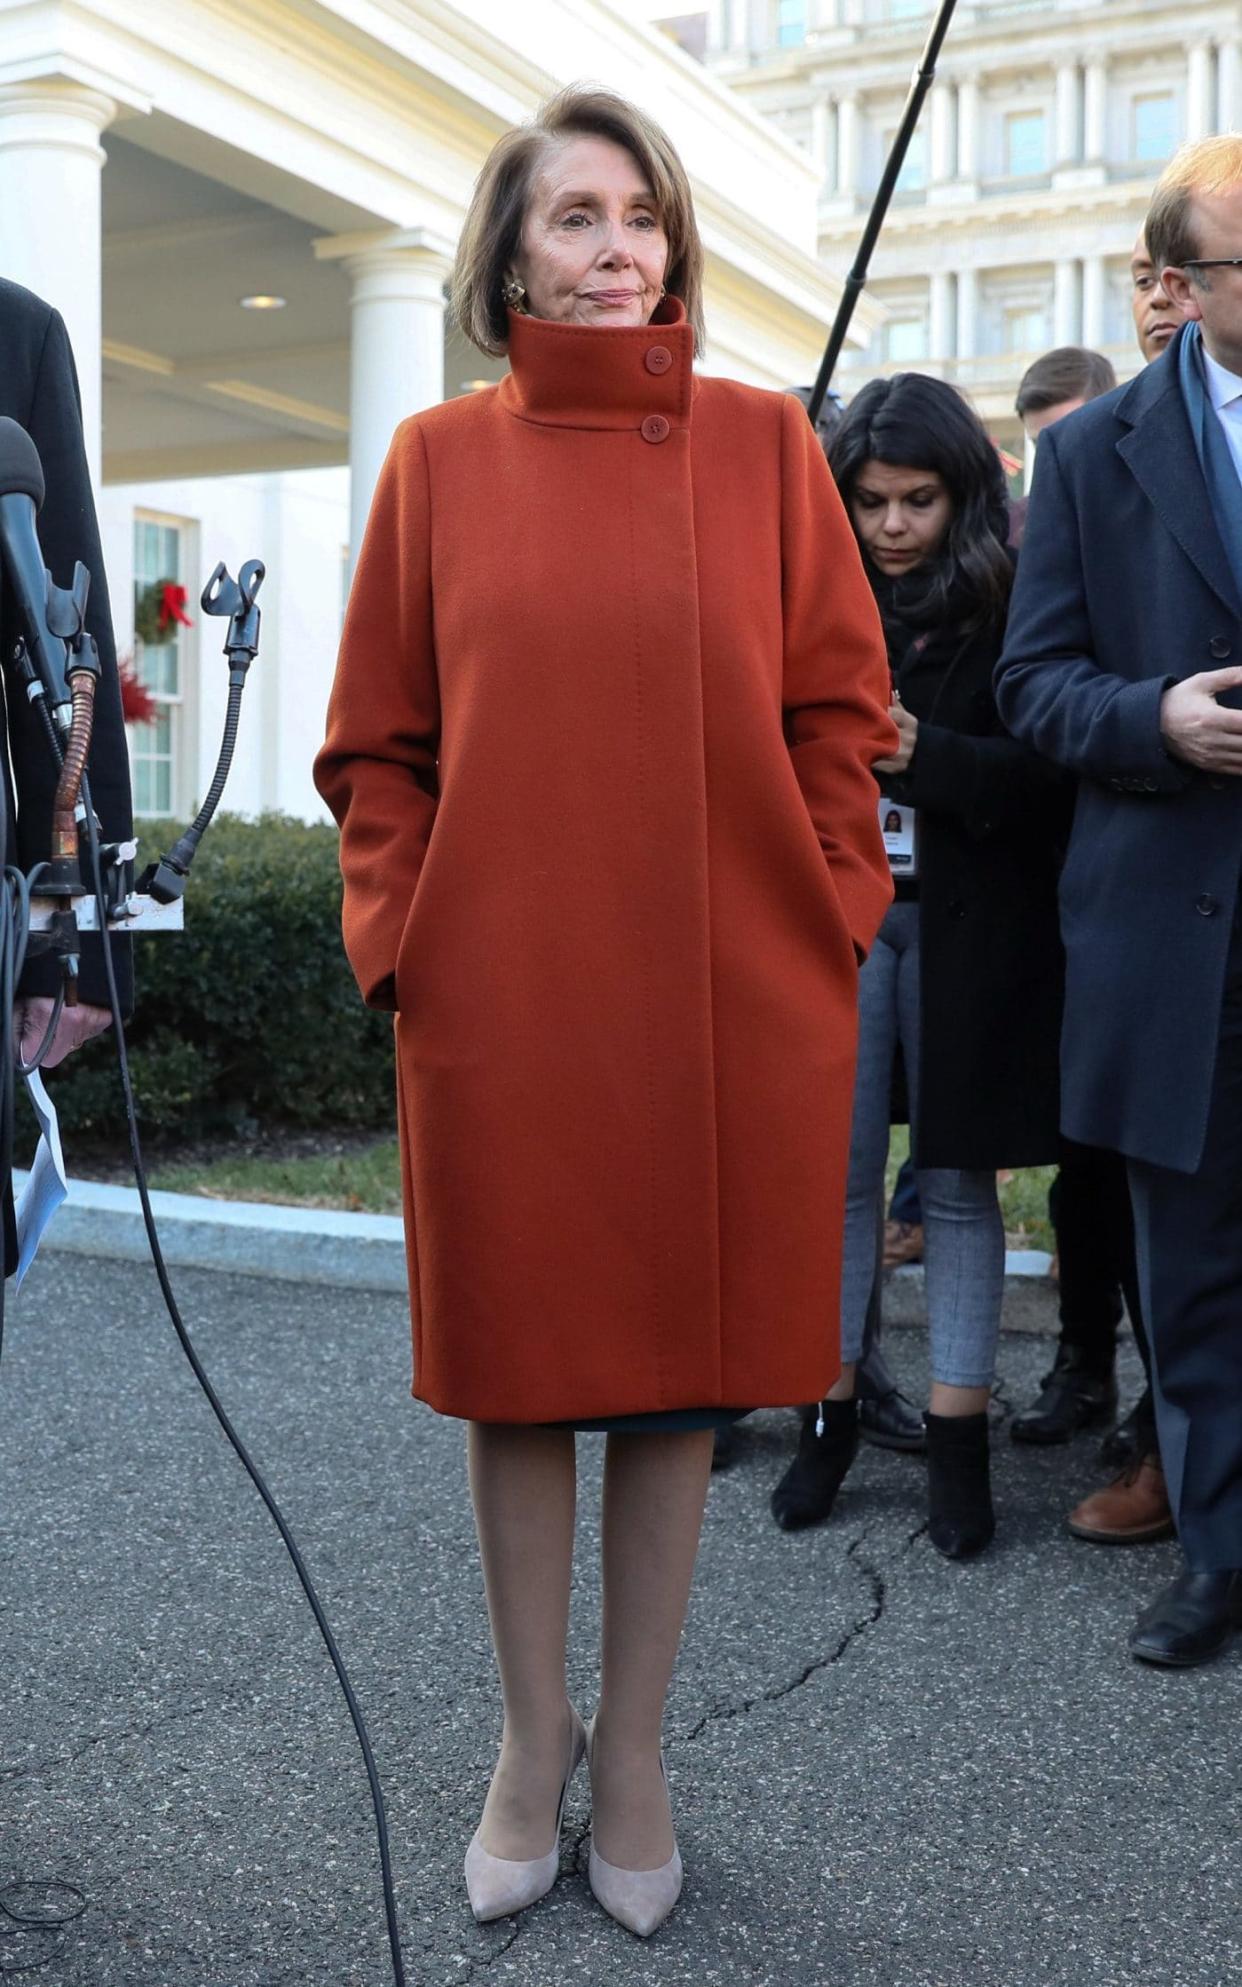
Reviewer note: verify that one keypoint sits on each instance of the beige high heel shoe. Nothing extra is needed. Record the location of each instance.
(500, 1885)
(638, 1899)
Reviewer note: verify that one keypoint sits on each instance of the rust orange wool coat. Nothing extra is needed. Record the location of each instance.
(610, 688)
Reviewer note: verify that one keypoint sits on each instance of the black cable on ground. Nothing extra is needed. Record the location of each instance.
(13, 928)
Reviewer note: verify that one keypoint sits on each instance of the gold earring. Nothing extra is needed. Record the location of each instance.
(514, 294)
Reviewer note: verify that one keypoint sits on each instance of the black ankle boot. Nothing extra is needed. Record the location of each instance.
(960, 1520)
(807, 1491)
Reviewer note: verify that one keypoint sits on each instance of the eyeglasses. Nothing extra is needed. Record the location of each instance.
(1212, 262)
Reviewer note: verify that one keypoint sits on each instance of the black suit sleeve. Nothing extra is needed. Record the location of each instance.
(69, 530)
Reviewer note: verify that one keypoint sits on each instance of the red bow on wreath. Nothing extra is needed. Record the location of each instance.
(172, 606)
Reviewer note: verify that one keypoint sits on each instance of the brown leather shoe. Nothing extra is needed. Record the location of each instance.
(903, 1243)
(1133, 1510)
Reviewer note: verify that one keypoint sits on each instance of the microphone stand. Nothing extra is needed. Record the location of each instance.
(920, 84)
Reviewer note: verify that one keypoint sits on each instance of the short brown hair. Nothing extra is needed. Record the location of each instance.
(1071, 372)
(493, 228)
(1209, 165)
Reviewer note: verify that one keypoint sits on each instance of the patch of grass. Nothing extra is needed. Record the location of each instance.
(363, 1182)
(1023, 1196)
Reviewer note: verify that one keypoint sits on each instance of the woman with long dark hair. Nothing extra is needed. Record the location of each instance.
(965, 977)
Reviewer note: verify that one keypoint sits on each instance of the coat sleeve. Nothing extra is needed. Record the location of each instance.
(68, 531)
(836, 679)
(1050, 688)
(990, 784)
(377, 769)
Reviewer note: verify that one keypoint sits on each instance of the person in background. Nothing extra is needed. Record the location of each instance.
(966, 973)
(1157, 319)
(1060, 383)
(1092, 1215)
(1089, 1202)
(1122, 664)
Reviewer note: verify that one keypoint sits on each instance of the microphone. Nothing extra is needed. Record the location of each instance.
(21, 496)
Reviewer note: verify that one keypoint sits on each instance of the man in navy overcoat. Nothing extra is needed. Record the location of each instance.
(1123, 663)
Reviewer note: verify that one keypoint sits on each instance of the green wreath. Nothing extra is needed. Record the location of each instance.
(154, 627)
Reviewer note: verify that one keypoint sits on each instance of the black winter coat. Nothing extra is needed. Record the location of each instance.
(993, 823)
(39, 390)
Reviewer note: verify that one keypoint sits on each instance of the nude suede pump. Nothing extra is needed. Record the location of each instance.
(638, 1899)
(500, 1885)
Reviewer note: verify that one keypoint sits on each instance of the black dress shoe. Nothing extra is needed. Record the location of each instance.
(1132, 1438)
(892, 1422)
(808, 1490)
(1073, 1396)
(1191, 1621)
(960, 1518)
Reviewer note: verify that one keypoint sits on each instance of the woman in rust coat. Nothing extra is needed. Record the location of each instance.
(600, 747)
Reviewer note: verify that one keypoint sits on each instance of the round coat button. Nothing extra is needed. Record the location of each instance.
(655, 428)
(658, 359)
(1206, 906)
(1219, 648)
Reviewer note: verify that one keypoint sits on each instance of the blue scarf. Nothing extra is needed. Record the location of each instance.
(1215, 459)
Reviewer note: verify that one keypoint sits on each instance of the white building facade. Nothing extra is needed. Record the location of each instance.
(247, 218)
(1029, 177)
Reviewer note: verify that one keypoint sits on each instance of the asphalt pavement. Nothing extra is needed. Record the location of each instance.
(887, 1771)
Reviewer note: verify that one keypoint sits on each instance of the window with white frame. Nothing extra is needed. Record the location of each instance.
(904, 10)
(913, 175)
(1153, 126)
(905, 339)
(1026, 144)
(1025, 328)
(791, 23)
(160, 664)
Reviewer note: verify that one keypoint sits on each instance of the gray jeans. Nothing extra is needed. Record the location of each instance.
(963, 1235)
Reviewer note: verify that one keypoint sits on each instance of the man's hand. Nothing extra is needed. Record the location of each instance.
(1198, 729)
(76, 1025)
(908, 728)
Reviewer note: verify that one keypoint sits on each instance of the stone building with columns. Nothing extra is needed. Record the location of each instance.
(247, 217)
(1028, 180)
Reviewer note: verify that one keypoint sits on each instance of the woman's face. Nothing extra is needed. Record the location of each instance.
(901, 515)
(593, 249)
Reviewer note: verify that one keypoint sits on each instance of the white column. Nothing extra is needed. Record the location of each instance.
(967, 313)
(396, 354)
(1093, 301)
(853, 13)
(847, 147)
(1095, 111)
(1065, 319)
(941, 327)
(822, 136)
(717, 26)
(739, 26)
(1200, 90)
(50, 163)
(1229, 85)
(968, 129)
(1068, 150)
(942, 159)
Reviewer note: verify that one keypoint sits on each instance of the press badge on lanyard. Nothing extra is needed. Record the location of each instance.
(900, 828)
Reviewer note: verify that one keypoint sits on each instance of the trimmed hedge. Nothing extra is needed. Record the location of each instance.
(250, 1017)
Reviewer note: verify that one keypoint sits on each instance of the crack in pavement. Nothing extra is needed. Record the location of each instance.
(33, 1768)
(875, 1576)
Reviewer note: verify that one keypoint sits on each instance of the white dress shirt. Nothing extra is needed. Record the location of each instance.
(1225, 392)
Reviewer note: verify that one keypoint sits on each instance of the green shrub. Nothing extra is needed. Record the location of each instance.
(250, 1017)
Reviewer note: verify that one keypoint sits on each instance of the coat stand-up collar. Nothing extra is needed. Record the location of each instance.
(601, 376)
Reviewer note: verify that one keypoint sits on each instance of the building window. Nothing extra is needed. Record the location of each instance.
(904, 10)
(913, 175)
(1154, 127)
(160, 664)
(905, 338)
(1026, 146)
(790, 23)
(1026, 328)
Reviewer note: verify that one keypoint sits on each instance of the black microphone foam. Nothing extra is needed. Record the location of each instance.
(21, 472)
